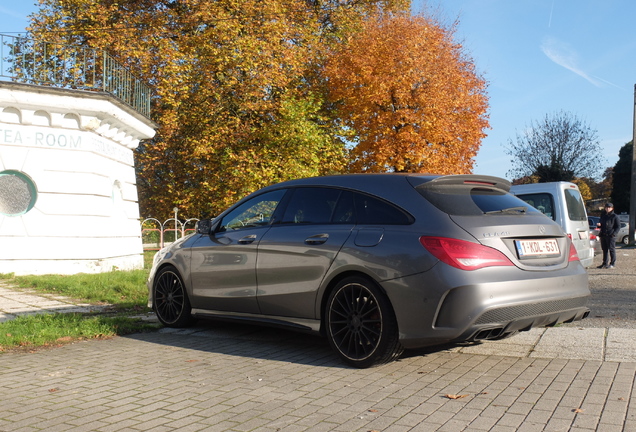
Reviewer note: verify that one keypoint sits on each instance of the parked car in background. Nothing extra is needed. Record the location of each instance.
(595, 240)
(593, 221)
(561, 202)
(594, 230)
(623, 234)
(376, 263)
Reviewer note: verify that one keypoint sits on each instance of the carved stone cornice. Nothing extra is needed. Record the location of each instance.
(97, 112)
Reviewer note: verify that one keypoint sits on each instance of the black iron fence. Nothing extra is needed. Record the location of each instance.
(66, 66)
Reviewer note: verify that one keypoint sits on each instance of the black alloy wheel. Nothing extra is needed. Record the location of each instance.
(171, 303)
(361, 325)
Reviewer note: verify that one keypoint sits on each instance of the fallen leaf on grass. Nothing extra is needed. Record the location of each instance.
(451, 396)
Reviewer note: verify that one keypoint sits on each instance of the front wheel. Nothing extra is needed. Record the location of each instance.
(361, 324)
(170, 299)
(625, 240)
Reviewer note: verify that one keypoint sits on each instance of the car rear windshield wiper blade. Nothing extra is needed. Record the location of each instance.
(511, 210)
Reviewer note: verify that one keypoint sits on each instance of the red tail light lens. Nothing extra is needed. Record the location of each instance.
(573, 255)
(462, 254)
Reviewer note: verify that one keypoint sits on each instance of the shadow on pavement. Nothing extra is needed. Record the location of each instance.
(258, 342)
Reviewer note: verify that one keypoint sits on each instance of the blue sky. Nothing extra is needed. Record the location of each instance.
(539, 57)
(543, 56)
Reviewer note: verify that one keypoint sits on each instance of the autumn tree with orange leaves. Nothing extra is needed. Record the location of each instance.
(409, 96)
(252, 92)
(236, 97)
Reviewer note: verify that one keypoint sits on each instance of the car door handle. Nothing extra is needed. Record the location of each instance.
(317, 239)
(247, 239)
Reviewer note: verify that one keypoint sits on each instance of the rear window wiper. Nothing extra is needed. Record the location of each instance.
(510, 210)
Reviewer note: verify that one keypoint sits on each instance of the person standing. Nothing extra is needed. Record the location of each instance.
(610, 224)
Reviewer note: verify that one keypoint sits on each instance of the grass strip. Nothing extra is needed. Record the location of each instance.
(122, 289)
(125, 290)
(60, 328)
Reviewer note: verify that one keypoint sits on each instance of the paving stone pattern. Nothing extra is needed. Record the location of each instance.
(243, 378)
(222, 377)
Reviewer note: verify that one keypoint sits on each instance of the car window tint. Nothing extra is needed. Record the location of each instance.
(344, 211)
(258, 211)
(544, 202)
(466, 200)
(374, 211)
(311, 206)
(574, 203)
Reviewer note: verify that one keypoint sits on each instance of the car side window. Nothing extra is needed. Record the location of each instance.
(311, 206)
(374, 211)
(258, 211)
(344, 213)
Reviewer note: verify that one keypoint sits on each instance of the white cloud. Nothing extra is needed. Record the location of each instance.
(564, 55)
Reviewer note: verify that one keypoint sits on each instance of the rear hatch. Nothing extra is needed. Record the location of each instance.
(482, 206)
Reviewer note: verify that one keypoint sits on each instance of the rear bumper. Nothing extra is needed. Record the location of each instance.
(588, 260)
(487, 305)
(486, 328)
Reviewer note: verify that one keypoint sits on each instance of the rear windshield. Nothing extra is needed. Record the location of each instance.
(474, 201)
(574, 202)
(544, 202)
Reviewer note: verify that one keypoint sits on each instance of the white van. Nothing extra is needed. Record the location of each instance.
(562, 202)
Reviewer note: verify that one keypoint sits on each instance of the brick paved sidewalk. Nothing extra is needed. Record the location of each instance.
(243, 378)
(217, 377)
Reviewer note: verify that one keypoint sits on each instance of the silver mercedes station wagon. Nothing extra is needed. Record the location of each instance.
(376, 263)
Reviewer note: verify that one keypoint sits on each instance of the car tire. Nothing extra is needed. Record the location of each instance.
(625, 240)
(361, 325)
(170, 299)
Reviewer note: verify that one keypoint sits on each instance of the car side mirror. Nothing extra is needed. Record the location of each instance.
(204, 226)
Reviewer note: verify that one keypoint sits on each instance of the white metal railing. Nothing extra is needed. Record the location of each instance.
(156, 235)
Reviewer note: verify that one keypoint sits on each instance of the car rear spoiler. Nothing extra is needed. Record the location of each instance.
(462, 179)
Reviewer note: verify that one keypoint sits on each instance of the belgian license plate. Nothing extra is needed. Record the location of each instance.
(537, 248)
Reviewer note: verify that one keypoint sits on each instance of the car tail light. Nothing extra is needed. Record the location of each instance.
(462, 254)
(574, 256)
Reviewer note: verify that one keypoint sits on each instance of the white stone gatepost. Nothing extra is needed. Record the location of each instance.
(68, 195)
